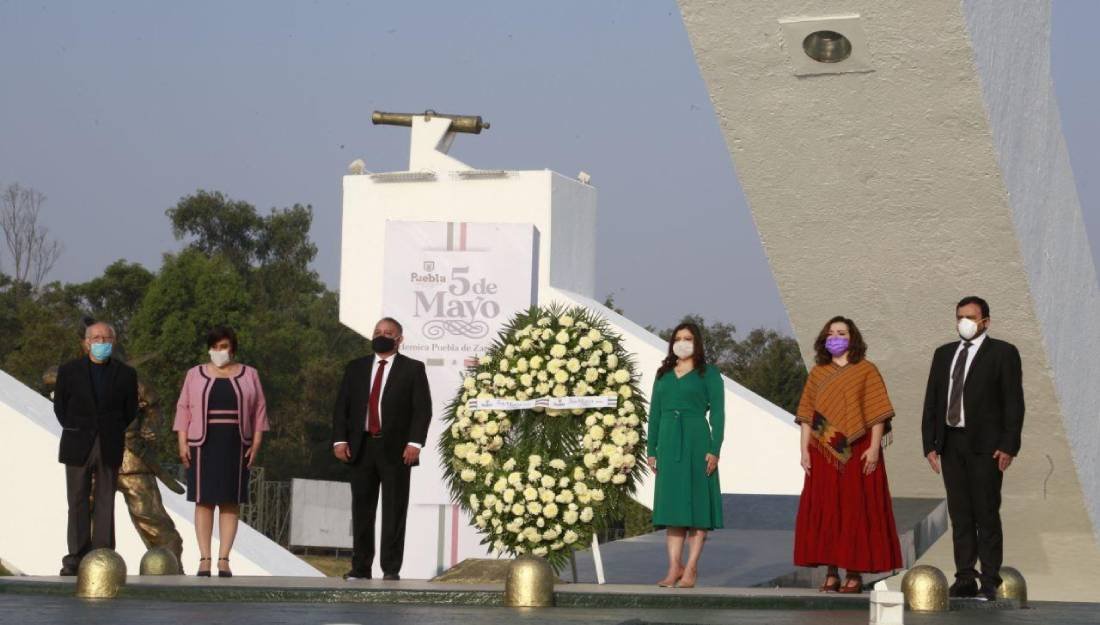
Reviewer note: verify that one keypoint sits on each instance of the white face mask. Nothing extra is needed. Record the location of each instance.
(968, 328)
(683, 349)
(220, 358)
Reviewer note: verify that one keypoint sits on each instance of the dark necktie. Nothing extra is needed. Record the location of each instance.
(958, 377)
(374, 424)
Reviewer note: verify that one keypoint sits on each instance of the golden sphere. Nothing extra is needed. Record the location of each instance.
(101, 574)
(925, 589)
(530, 583)
(159, 561)
(1013, 587)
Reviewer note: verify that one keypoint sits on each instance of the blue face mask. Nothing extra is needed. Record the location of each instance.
(101, 351)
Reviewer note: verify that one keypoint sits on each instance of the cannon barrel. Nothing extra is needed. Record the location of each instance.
(472, 124)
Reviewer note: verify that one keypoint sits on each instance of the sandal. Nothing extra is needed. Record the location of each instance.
(853, 585)
(226, 572)
(828, 586)
(201, 572)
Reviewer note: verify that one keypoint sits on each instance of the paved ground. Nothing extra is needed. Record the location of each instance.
(40, 610)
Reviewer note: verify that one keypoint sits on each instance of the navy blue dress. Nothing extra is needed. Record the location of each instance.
(219, 471)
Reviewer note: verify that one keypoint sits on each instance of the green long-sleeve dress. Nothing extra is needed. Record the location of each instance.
(680, 438)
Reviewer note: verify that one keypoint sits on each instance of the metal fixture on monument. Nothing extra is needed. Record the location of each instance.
(925, 589)
(159, 561)
(1013, 587)
(101, 575)
(530, 583)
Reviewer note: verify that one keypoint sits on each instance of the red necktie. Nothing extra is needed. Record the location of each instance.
(374, 424)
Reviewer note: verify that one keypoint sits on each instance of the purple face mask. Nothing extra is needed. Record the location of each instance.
(836, 345)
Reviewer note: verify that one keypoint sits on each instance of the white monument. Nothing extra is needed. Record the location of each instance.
(452, 252)
(898, 155)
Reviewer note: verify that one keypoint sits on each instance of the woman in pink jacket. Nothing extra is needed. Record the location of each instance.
(220, 419)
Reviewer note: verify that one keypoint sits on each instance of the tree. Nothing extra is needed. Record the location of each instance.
(32, 251)
(41, 329)
(217, 225)
(115, 296)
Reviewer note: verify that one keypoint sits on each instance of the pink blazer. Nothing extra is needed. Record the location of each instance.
(191, 414)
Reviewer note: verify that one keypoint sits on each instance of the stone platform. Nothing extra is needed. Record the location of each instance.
(334, 590)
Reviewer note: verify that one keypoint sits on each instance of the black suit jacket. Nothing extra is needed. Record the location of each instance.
(81, 420)
(406, 406)
(993, 398)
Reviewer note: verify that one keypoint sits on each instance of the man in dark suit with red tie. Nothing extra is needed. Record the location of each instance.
(973, 418)
(379, 426)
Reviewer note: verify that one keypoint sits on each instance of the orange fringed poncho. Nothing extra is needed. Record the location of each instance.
(841, 404)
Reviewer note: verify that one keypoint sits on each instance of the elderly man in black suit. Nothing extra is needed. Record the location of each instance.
(95, 400)
(973, 418)
(378, 428)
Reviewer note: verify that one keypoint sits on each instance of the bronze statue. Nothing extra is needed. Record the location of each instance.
(137, 477)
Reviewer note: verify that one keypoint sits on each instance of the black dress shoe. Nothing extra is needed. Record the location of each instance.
(393, 577)
(353, 575)
(987, 593)
(67, 572)
(963, 589)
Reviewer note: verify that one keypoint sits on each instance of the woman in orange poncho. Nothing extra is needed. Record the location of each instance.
(845, 517)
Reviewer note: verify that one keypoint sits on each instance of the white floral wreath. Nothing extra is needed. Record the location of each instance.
(553, 450)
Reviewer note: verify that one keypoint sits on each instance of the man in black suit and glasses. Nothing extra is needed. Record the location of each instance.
(973, 416)
(95, 399)
(378, 428)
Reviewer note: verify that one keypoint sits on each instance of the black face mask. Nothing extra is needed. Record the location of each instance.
(382, 344)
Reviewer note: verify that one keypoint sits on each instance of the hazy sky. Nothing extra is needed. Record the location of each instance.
(117, 109)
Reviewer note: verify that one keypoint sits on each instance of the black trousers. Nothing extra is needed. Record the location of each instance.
(91, 524)
(973, 484)
(371, 473)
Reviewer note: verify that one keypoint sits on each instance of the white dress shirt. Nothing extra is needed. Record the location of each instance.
(381, 392)
(975, 344)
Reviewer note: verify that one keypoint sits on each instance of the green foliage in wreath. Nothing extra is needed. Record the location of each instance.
(541, 480)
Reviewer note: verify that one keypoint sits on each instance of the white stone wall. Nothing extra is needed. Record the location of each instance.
(1027, 135)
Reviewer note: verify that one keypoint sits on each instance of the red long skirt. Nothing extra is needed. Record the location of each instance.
(845, 518)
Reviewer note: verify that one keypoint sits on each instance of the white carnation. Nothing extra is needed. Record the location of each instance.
(550, 511)
(570, 536)
(562, 337)
(566, 320)
(468, 475)
(586, 515)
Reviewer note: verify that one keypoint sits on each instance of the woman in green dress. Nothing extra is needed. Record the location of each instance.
(683, 451)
